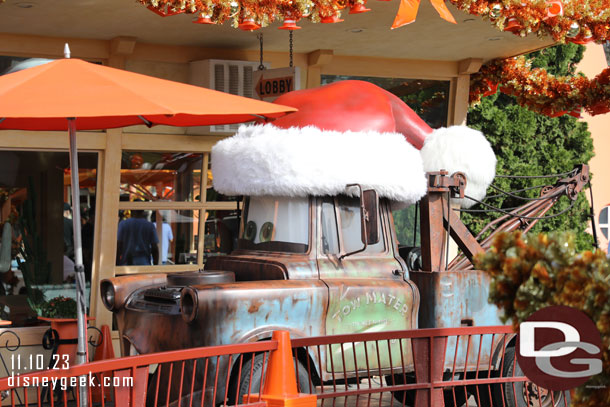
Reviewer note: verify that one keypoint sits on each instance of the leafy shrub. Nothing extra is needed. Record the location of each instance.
(536, 271)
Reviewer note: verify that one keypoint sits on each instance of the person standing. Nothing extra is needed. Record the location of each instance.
(166, 238)
(137, 241)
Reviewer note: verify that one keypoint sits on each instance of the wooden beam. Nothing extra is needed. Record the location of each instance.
(51, 140)
(172, 268)
(459, 100)
(161, 142)
(179, 205)
(390, 68)
(469, 66)
(106, 224)
(320, 57)
(122, 45)
(20, 45)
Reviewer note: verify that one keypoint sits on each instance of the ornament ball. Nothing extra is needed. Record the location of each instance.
(573, 30)
(495, 11)
(234, 7)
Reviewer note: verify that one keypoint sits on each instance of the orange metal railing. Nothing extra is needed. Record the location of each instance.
(421, 368)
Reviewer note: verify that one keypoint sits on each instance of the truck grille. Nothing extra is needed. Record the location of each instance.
(163, 300)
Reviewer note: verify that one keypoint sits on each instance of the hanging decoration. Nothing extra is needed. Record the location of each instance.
(540, 91)
(579, 21)
(165, 11)
(408, 11)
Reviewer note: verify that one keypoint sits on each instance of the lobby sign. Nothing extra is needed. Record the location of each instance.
(272, 83)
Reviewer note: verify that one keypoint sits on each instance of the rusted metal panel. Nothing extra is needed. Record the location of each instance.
(248, 269)
(433, 235)
(226, 313)
(453, 299)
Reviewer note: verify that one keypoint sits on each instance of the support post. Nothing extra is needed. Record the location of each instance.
(81, 349)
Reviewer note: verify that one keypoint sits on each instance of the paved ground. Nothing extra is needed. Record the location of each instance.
(384, 399)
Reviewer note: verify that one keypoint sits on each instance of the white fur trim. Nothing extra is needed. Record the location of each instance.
(268, 160)
(460, 148)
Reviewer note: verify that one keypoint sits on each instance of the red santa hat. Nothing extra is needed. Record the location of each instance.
(348, 132)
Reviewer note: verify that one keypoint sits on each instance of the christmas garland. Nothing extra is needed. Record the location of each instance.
(531, 272)
(578, 21)
(254, 14)
(540, 91)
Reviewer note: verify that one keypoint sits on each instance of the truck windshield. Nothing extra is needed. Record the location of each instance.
(275, 224)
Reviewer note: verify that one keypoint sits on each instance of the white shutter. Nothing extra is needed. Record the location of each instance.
(234, 77)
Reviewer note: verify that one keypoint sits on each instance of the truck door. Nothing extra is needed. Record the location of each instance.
(365, 295)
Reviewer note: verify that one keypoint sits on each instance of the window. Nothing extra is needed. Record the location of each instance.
(276, 224)
(36, 217)
(330, 236)
(6, 63)
(175, 187)
(141, 239)
(428, 98)
(350, 226)
(603, 221)
(342, 228)
(151, 176)
(405, 222)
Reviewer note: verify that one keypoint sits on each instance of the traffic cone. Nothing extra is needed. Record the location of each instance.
(280, 388)
(104, 351)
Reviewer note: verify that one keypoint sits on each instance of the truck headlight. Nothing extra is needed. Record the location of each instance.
(189, 304)
(108, 294)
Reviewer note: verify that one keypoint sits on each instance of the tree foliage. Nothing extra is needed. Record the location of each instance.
(537, 271)
(527, 143)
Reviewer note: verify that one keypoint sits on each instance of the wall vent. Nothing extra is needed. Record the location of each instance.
(228, 76)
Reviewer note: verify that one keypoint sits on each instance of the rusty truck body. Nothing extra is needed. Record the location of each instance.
(332, 266)
(317, 251)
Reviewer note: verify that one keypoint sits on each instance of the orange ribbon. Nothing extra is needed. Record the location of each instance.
(408, 11)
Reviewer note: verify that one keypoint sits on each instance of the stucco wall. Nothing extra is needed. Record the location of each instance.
(592, 64)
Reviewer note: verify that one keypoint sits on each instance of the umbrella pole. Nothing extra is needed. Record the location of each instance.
(81, 349)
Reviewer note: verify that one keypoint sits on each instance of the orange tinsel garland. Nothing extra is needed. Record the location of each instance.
(579, 21)
(540, 91)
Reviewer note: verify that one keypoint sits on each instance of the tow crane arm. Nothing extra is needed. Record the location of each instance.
(437, 218)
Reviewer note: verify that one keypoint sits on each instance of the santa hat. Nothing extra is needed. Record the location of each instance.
(344, 133)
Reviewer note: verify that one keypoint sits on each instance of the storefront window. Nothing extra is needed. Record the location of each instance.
(6, 63)
(170, 185)
(428, 98)
(37, 244)
(142, 241)
(221, 231)
(154, 176)
(222, 223)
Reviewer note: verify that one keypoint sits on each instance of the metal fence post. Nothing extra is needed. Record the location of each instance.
(429, 359)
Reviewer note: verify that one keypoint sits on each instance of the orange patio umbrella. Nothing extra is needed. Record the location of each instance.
(71, 94)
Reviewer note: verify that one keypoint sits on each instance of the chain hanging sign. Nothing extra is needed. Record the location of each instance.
(271, 83)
